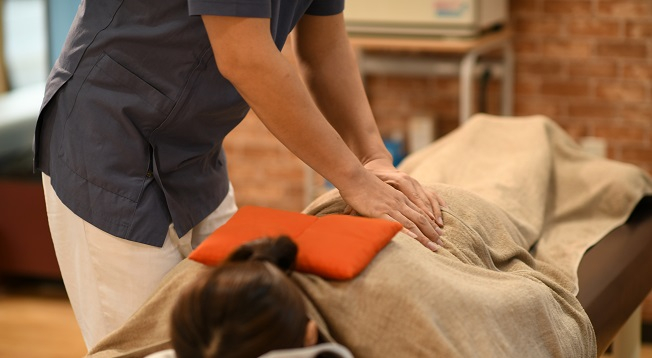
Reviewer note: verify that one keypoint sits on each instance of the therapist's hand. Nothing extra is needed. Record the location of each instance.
(427, 200)
(398, 197)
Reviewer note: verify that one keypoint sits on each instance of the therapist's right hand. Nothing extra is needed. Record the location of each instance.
(378, 199)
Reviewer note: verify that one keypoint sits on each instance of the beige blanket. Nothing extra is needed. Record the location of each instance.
(557, 195)
(484, 294)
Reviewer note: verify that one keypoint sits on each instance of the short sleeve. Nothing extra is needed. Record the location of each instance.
(325, 7)
(240, 8)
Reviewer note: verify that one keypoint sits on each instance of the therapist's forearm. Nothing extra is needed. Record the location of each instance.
(273, 89)
(330, 71)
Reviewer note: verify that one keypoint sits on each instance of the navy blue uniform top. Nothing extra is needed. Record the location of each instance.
(135, 111)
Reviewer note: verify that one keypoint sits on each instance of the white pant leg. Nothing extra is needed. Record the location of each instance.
(216, 219)
(108, 278)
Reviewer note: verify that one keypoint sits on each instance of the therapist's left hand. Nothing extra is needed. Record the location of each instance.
(427, 200)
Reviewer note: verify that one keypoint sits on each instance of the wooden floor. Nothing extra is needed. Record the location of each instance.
(36, 321)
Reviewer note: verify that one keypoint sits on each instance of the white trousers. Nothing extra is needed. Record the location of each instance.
(108, 278)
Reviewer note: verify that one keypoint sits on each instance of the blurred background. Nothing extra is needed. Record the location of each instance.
(587, 64)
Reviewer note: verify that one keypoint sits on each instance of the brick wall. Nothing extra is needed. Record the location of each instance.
(263, 171)
(588, 65)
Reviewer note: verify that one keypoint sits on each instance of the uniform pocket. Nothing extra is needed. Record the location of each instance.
(132, 83)
(104, 135)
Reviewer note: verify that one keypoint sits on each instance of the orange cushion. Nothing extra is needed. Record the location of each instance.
(334, 246)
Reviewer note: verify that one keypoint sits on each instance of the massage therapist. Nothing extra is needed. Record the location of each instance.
(129, 138)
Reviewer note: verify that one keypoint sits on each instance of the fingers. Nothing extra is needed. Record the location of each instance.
(348, 210)
(439, 203)
(419, 212)
(428, 202)
(400, 198)
(425, 242)
(431, 203)
(418, 225)
(440, 200)
(422, 239)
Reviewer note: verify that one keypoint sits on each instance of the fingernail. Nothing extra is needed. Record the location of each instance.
(440, 221)
(441, 243)
(432, 246)
(439, 231)
(411, 234)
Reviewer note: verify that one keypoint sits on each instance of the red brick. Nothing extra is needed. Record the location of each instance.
(636, 153)
(575, 128)
(390, 103)
(446, 124)
(401, 84)
(252, 150)
(444, 105)
(540, 67)
(648, 168)
(625, 9)
(625, 49)
(390, 124)
(527, 46)
(623, 91)
(639, 29)
(637, 70)
(620, 132)
(567, 48)
(527, 86)
(531, 105)
(639, 114)
(570, 8)
(592, 110)
(593, 69)
(538, 26)
(375, 82)
(521, 7)
(593, 27)
(443, 85)
(565, 88)
(493, 103)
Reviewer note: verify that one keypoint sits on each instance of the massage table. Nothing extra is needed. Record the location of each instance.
(614, 273)
(545, 256)
(615, 276)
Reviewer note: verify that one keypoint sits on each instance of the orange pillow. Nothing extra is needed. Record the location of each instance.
(334, 246)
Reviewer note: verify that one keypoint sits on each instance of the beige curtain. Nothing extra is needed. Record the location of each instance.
(4, 85)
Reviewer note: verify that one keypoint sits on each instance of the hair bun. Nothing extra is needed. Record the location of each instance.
(283, 253)
(280, 251)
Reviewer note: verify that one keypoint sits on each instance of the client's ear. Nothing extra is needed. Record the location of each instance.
(312, 334)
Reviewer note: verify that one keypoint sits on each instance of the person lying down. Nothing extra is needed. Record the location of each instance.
(523, 206)
(247, 307)
(482, 292)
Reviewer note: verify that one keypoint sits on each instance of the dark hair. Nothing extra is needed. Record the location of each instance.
(243, 308)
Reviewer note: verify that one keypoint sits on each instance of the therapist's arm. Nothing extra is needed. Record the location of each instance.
(246, 55)
(331, 73)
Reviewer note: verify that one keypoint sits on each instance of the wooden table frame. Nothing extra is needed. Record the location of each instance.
(469, 49)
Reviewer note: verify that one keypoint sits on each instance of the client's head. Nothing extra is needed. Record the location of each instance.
(245, 307)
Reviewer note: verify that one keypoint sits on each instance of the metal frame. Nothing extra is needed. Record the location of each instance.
(469, 50)
(467, 67)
